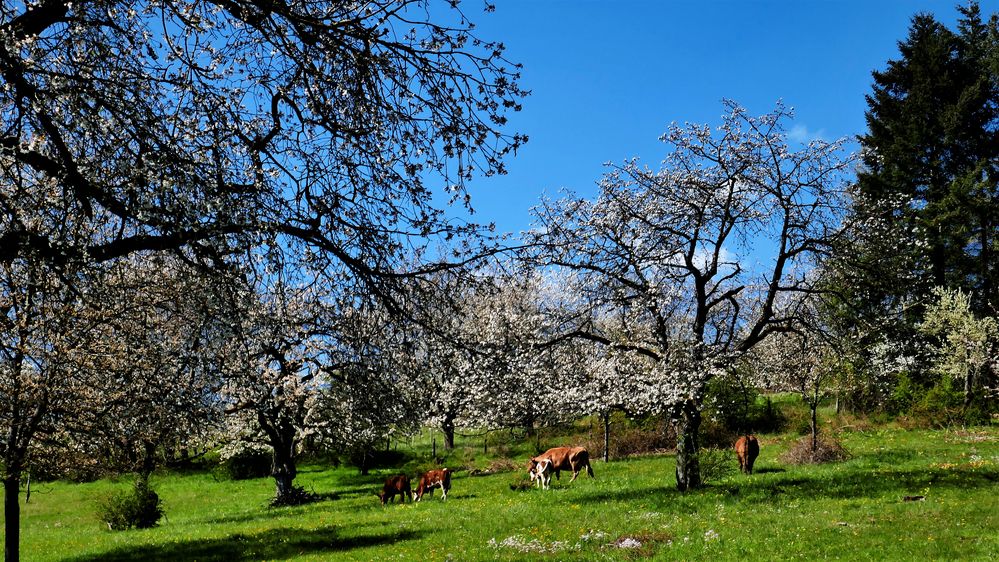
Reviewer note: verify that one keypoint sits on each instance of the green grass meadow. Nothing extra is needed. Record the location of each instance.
(853, 510)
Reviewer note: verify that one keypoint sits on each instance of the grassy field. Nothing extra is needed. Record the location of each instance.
(853, 510)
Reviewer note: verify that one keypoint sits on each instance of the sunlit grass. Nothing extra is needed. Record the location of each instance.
(850, 510)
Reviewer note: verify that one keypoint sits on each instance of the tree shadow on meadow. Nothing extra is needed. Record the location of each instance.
(785, 485)
(266, 511)
(887, 483)
(275, 544)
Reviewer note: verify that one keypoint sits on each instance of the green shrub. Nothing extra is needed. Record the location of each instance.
(943, 405)
(740, 408)
(936, 400)
(245, 465)
(796, 419)
(729, 402)
(716, 463)
(137, 507)
(903, 395)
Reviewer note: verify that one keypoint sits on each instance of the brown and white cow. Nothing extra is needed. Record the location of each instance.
(747, 448)
(563, 458)
(433, 479)
(395, 485)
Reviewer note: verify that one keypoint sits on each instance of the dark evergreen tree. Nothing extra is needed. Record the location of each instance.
(927, 199)
(926, 204)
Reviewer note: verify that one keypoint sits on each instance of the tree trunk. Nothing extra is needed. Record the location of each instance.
(688, 468)
(969, 385)
(283, 470)
(744, 423)
(12, 518)
(986, 261)
(148, 460)
(447, 427)
(606, 418)
(365, 467)
(815, 425)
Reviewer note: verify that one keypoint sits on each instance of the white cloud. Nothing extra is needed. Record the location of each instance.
(801, 134)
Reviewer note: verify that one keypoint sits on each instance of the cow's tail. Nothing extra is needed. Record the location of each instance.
(589, 470)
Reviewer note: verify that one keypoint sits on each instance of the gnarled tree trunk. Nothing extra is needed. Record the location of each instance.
(283, 470)
(688, 425)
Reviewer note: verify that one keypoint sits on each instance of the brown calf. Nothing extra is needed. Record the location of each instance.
(747, 448)
(395, 485)
(432, 479)
(563, 458)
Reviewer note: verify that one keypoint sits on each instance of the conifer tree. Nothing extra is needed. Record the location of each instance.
(927, 198)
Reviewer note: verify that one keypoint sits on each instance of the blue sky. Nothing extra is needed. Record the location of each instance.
(608, 76)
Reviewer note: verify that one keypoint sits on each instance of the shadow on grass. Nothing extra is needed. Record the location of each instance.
(267, 511)
(276, 544)
(780, 486)
(870, 484)
(361, 491)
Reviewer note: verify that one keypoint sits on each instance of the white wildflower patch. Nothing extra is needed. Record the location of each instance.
(628, 542)
(521, 544)
(593, 535)
(711, 535)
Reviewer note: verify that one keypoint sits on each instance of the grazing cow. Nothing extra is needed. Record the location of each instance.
(395, 485)
(747, 448)
(564, 458)
(432, 479)
(542, 473)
